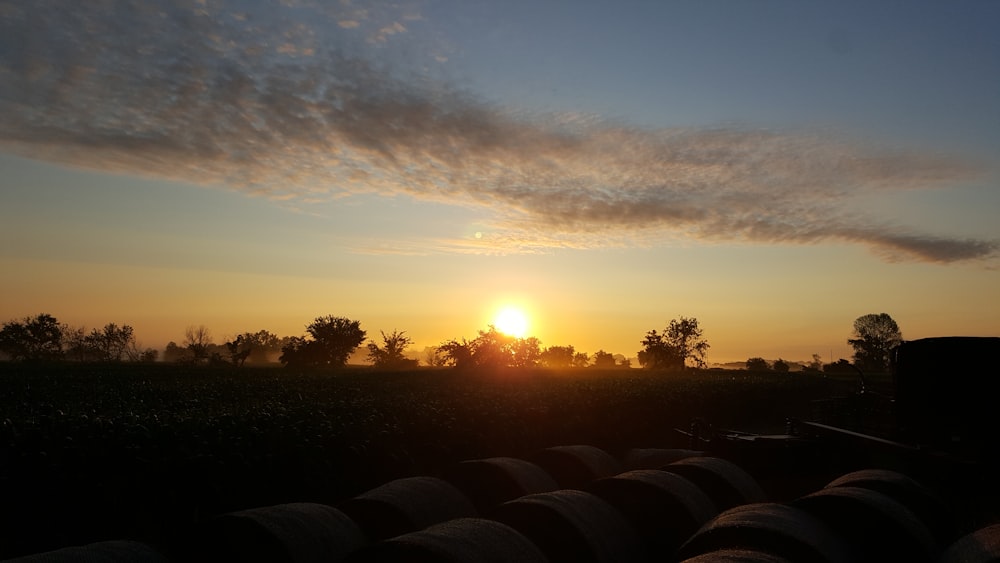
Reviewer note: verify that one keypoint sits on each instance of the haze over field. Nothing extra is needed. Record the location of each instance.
(774, 169)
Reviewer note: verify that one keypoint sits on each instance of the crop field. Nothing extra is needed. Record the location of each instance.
(93, 452)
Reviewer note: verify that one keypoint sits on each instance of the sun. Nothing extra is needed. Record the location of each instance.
(512, 322)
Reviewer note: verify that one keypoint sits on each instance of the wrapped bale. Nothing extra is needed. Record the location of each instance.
(774, 529)
(655, 458)
(925, 504)
(665, 509)
(723, 481)
(737, 556)
(874, 526)
(573, 526)
(981, 546)
(492, 481)
(573, 467)
(464, 540)
(296, 532)
(407, 505)
(117, 551)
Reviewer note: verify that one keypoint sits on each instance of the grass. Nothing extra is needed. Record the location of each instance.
(90, 452)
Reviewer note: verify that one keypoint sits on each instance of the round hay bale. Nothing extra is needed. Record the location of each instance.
(492, 481)
(981, 546)
(573, 467)
(572, 526)
(737, 556)
(664, 509)
(655, 458)
(407, 505)
(464, 540)
(117, 551)
(875, 527)
(295, 532)
(723, 481)
(770, 528)
(925, 504)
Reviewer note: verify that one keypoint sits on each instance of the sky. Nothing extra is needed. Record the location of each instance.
(774, 169)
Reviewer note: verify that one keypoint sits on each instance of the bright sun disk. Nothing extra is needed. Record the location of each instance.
(512, 322)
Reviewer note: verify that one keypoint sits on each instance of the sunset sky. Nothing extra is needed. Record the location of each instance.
(773, 168)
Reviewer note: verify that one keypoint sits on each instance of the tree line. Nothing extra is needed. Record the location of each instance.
(330, 340)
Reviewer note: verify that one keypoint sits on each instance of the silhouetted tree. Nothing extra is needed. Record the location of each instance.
(492, 349)
(455, 353)
(525, 352)
(239, 350)
(780, 366)
(757, 364)
(32, 338)
(681, 341)
(254, 347)
(113, 343)
(557, 357)
(657, 353)
(603, 359)
(581, 360)
(875, 336)
(197, 339)
(333, 341)
(391, 355)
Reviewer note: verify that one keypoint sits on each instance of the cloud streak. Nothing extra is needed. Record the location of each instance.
(310, 103)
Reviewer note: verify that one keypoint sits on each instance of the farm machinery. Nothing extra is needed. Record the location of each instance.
(937, 418)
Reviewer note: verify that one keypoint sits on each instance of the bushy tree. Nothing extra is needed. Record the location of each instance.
(333, 340)
(456, 354)
(113, 343)
(681, 342)
(254, 347)
(525, 352)
(557, 357)
(390, 356)
(492, 349)
(35, 338)
(757, 364)
(875, 336)
(603, 359)
(780, 366)
(581, 360)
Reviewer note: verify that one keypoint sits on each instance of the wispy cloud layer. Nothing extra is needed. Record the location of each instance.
(307, 101)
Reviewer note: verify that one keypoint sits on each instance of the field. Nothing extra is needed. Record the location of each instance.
(92, 452)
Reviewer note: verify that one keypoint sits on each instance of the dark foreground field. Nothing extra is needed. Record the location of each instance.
(107, 452)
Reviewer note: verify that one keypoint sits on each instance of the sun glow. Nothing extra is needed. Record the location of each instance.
(512, 322)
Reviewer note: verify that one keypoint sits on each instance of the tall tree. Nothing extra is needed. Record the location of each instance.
(875, 336)
(32, 338)
(681, 342)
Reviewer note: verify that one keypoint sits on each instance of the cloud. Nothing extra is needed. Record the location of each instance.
(182, 92)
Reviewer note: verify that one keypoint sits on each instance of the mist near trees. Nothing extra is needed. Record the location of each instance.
(330, 341)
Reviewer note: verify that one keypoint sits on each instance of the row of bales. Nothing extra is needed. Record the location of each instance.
(579, 504)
